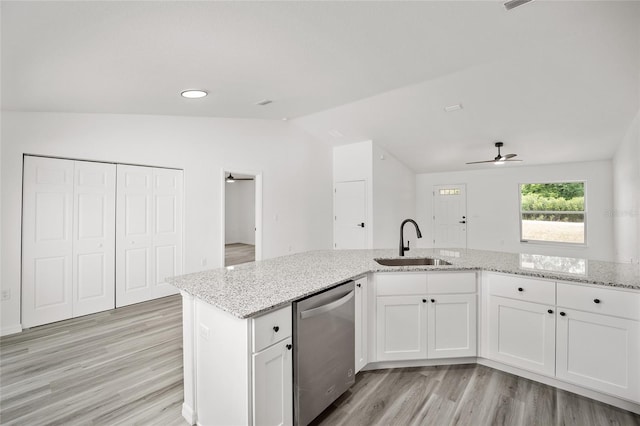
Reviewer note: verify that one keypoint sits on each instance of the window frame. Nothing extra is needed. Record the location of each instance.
(553, 243)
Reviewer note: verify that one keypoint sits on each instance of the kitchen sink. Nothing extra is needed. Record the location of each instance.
(412, 262)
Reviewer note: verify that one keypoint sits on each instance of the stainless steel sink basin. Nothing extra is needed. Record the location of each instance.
(412, 262)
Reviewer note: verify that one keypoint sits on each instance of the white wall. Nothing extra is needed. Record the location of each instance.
(393, 200)
(240, 212)
(297, 200)
(493, 206)
(626, 195)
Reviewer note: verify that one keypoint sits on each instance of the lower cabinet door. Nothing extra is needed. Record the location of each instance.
(522, 334)
(600, 352)
(401, 328)
(451, 323)
(273, 385)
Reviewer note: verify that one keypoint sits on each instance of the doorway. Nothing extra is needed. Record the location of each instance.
(450, 216)
(241, 217)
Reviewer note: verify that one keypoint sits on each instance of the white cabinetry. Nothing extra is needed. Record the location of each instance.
(426, 315)
(521, 332)
(599, 344)
(361, 329)
(272, 385)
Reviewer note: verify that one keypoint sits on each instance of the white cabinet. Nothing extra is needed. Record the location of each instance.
(273, 385)
(596, 350)
(522, 334)
(401, 328)
(451, 330)
(68, 239)
(426, 315)
(361, 329)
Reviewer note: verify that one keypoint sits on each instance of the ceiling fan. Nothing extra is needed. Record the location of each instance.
(231, 179)
(498, 159)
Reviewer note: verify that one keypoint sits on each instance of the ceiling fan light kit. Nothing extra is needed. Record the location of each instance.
(498, 159)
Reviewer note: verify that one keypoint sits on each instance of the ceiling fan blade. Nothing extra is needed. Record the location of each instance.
(512, 160)
(507, 156)
(478, 162)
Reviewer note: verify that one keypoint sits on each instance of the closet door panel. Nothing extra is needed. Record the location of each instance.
(134, 235)
(47, 241)
(94, 237)
(168, 185)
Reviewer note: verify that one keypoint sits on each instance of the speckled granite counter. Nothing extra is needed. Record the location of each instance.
(253, 288)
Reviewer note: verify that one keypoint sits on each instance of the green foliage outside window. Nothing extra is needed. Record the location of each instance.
(552, 197)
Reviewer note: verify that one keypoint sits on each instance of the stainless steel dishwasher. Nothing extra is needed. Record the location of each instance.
(324, 350)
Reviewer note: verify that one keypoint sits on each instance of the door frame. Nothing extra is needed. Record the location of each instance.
(258, 213)
(433, 211)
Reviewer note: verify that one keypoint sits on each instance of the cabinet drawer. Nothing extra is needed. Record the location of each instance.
(397, 284)
(625, 304)
(520, 288)
(451, 282)
(271, 328)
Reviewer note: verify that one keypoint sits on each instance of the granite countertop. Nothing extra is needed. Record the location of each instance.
(253, 288)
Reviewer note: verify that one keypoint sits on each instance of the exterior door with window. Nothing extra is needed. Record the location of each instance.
(450, 216)
(349, 215)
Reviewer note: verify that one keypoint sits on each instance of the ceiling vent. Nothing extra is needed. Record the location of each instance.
(264, 102)
(512, 4)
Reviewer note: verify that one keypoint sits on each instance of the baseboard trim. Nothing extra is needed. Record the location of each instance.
(188, 414)
(418, 363)
(12, 329)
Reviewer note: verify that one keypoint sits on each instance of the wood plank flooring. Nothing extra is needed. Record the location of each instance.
(472, 395)
(124, 367)
(237, 253)
(119, 367)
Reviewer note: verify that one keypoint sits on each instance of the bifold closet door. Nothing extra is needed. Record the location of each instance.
(68, 239)
(94, 229)
(149, 232)
(47, 240)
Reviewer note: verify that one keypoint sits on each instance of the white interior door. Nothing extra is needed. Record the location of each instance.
(167, 223)
(350, 211)
(149, 232)
(94, 227)
(47, 240)
(450, 216)
(134, 235)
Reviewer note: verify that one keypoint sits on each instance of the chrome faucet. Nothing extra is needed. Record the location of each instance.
(402, 247)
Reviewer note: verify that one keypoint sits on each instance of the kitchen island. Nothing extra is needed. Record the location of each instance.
(225, 311)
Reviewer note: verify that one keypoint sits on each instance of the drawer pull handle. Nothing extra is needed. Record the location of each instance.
(562, 314)
(596, 300)
(550, 311)
(424, 300)
(433, 300)
(358, 285)
(520, 289)
(276, 328)
(289, 347)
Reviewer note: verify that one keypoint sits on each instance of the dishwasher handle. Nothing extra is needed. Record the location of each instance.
(326, 308)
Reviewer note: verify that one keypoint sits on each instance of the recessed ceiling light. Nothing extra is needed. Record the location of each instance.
(336, 134)
(194, 94)
(264, 102)
(512, 4)
(451, 108)
(285, 118)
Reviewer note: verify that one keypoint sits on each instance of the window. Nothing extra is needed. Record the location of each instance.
(553, 212)
(454, 191)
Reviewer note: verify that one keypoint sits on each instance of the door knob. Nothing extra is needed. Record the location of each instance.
(361, 225)
(462, 221)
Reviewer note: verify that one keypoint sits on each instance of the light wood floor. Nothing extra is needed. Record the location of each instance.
(471, 395)
(237, 253)
(124, 367)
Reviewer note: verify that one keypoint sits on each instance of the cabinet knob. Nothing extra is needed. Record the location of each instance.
(550, 311)
(276, 328)
(562, 314)
(596, 300)
(520, 289)
(289, 347)
(424, 300)
(358, 285)
(433, 300)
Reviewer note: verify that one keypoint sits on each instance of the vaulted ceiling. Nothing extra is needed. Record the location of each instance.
(556, 81)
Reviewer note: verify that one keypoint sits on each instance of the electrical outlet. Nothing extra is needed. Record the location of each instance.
(203, 262)
(6, 295)
(204, 331)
